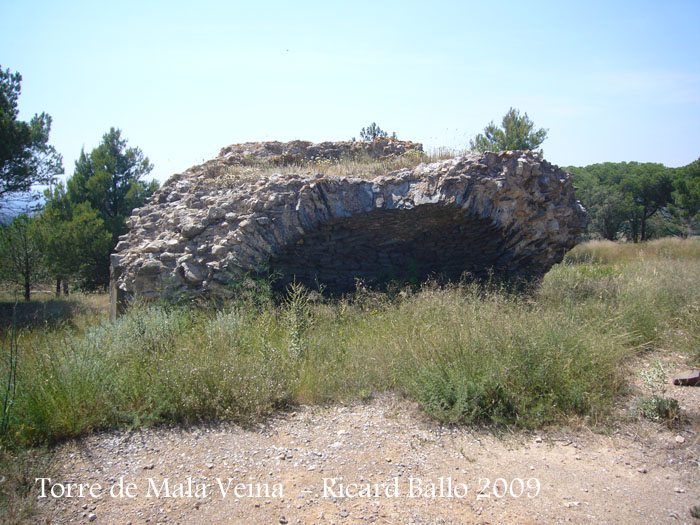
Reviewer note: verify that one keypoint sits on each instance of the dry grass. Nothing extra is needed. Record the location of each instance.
(609, 251)
(363, 167)
(47, 309)
(18, 471)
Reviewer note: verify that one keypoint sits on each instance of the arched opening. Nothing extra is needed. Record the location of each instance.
(407, 245)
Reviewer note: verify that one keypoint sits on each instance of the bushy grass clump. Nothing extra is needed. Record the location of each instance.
(153, 365)
(506, 360)
(467, 353)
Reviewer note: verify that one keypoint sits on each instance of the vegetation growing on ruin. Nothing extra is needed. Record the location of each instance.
(363, 166)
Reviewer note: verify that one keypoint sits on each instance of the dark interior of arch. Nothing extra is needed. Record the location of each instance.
(391, 245)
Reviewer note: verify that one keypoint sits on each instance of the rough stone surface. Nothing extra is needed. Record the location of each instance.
(687, 378)
(298, 151)
(507, 212)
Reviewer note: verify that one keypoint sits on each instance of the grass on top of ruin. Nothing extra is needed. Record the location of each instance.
(467, 353)
(362, 166)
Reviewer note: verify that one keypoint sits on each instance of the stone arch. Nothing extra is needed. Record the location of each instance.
(511, 211)
(407, 245)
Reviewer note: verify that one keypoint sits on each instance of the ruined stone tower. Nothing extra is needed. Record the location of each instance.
(269, 206)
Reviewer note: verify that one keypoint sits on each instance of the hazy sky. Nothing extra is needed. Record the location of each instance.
(612, 81)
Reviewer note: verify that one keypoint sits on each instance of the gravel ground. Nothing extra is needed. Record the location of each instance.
(394, 465)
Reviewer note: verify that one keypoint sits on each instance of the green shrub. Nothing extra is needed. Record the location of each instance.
(505, 360)
(657, 406)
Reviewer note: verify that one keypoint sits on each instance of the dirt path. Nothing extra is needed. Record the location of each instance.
(390, 452)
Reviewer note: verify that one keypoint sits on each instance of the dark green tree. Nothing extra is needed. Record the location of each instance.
(627, 194)
(650, 188)
(372, 132)
(58, 251)
(106, 185)
(93, 244)
(26, 158)
(21, 254)
(515, 133)
(110, 178)
(74, 240)
(686, 198)
(609, 213)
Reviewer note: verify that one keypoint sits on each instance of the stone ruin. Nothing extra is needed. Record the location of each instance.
(509, 212)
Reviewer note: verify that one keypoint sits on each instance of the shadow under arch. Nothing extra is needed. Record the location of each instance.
(407, 245)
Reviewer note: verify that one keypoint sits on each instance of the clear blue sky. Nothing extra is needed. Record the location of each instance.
(612, 81)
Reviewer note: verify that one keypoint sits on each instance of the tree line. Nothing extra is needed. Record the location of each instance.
(639, 201)
(69, 237)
